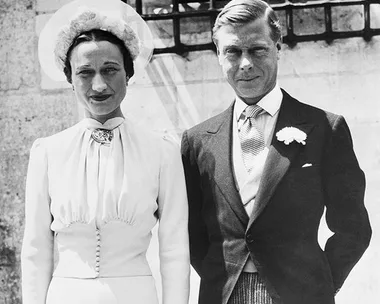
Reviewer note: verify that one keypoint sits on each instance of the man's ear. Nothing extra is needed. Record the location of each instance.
(278, 46)
(217, 48)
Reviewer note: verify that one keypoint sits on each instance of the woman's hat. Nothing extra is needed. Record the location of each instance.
(80, 16)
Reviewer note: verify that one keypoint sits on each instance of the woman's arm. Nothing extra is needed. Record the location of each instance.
(173, 229)
(37, 246)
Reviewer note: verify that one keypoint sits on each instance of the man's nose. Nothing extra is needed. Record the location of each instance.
(246, 62)
(98, 83)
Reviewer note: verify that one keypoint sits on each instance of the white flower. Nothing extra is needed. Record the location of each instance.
(289, 134)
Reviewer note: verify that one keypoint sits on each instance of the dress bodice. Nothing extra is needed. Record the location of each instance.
(93, 206)
(102, 198)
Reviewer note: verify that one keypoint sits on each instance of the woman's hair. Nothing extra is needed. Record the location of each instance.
(239, 12)
(99, 35)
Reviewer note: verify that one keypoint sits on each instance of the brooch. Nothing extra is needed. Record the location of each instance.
(290, 134)
(102, 136)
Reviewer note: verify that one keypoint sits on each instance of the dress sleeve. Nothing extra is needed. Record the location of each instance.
(37, 246)
(173, 231)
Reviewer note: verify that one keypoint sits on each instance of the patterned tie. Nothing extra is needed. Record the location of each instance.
(251, 137)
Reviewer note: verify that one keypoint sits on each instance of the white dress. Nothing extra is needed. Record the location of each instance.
(90, 209)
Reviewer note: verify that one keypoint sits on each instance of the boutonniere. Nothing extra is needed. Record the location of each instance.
(290, 134)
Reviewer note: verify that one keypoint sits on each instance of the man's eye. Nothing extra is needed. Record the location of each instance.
(84, 72)
(232, 51)
(258, 51)
(110, 70)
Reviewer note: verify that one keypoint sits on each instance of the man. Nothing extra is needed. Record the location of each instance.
(259, 176)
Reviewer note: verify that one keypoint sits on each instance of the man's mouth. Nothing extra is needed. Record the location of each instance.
(101, 97)
(247, 78)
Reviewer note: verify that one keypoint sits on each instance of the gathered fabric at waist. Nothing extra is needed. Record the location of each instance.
(90, 253)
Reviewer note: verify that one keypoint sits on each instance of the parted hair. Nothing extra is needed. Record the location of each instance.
(240, 12)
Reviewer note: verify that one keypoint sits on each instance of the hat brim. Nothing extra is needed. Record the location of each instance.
(61, 17)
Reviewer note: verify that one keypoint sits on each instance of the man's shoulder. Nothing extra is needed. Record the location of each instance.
(311, 111)
(211, 124)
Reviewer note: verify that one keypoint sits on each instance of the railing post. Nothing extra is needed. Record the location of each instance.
(290, 37)
(367, 21)
(328, 23)
(139, 6)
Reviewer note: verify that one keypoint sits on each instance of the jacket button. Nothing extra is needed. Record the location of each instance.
(249, 238)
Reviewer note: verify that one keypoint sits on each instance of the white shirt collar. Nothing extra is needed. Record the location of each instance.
(270, 103)
(110, 124)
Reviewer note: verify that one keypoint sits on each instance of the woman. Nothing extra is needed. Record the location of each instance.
(95, 191)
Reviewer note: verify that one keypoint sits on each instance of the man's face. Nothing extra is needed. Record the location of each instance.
(248, 57)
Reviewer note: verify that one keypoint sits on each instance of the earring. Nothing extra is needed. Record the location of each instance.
(73, 88)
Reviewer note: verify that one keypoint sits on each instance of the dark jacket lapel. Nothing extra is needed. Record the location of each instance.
(221, 145)
(280, 155)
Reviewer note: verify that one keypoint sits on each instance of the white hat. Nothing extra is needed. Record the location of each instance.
(80, 16)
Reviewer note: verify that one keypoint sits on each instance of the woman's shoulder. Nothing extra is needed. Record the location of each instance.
(56, 139)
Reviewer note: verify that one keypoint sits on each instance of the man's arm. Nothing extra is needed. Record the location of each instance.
(198, 236)
(346, 216)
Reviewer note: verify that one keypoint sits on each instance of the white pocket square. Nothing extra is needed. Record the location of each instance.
(307, 165)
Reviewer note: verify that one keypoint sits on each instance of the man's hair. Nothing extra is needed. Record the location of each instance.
(99, 35)
(240, 12)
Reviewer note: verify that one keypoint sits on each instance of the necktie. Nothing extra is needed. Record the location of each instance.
(251, 137)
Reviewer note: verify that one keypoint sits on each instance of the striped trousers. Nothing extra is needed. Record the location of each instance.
(250, 289)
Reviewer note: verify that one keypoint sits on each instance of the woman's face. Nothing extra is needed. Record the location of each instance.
(99, 78)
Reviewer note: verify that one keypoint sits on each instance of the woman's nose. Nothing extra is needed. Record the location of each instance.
(98, 83)
(246, 63)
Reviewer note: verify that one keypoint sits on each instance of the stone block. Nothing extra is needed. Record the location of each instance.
(17, 60)
(318, 58)
(152, 107)
(23, 118)
(10, 291)
(200, 101)
(49, 5)
(375, 15)
(169, 69)
(162, 32)
(355, 97)
(309, 21)
(347, 18)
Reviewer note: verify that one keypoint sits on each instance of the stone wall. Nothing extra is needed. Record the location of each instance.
(172, 95)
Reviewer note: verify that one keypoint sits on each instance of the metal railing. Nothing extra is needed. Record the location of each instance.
(289, 8)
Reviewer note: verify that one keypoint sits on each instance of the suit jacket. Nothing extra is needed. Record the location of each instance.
(281, 233)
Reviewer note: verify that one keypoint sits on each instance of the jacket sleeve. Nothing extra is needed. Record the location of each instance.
(37, 246)
(346, 215)
(172, 231)
(198, 236)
